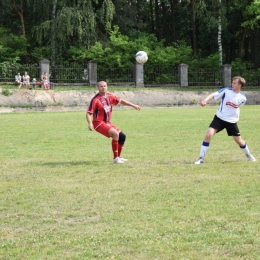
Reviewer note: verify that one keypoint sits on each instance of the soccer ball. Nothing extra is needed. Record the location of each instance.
(141, 57)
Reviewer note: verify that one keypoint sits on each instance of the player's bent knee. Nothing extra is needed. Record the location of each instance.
(113, 134)
(122, 138)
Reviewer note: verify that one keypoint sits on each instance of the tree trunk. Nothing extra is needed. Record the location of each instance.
(163, 31)
(19, 10)
(173, 21)
(53, 30)
(157, 20)
(193, 22)
(139, 18)
(220, 35)
(254, 46)
(242, 43)
(152, 15)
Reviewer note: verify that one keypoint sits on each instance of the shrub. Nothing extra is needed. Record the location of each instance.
(7, 92)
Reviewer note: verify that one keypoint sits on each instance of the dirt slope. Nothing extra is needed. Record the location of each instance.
(50, 100)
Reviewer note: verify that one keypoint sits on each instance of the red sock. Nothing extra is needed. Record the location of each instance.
(115, 148)
(120, 148)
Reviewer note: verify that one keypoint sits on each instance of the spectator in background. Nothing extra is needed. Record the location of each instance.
(18, 80)
(26, 80)
(45, 81)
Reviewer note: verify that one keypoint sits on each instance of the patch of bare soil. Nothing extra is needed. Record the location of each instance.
(50, 100)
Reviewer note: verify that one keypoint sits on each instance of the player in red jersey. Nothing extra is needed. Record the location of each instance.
(98, 116)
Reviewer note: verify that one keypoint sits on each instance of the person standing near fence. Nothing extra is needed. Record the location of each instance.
(226, 117)
(98, 116)
(26, 80)
(18, 80)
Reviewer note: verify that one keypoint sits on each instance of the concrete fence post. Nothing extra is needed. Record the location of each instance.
(183, 75)
(44, 67)
(226, 75)
(139, 75)
(92, 73)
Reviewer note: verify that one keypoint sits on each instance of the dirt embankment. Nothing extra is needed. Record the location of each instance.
(50, 100)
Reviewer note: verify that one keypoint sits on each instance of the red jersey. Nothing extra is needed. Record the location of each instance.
(101, 107)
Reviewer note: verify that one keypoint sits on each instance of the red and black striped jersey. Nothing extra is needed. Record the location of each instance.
(101, 107)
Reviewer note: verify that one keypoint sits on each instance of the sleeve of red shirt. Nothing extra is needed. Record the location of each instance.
(92, 105)
(115, 100)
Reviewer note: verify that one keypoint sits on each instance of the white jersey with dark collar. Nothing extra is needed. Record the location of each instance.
(231, 102)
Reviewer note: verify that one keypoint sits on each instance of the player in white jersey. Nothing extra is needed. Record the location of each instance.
(226, 117)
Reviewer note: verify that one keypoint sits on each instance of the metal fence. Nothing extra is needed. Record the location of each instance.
(121, 76)
(7, 73)
(116, 75)
(203, 77)
(159, 76)
(68, 75)
(252, 77)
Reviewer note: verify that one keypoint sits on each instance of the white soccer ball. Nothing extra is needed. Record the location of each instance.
(141, 57)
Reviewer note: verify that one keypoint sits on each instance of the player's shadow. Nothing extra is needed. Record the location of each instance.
(72, 163)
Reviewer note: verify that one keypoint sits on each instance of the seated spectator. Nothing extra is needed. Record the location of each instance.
(45, 82)
(18, 80)
(26, 80)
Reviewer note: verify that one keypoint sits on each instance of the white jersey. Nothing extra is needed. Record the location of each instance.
(229, 109)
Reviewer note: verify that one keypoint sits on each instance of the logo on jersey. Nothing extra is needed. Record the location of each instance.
(232, 104)
(107, 108)
(240, 101)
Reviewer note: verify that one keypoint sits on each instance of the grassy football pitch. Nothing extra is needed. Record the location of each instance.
(63, 198)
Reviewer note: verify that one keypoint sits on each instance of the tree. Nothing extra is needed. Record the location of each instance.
(18, 7)
(193, 22)
(11, 47)
(220, 35)
(53, 31)
(252, 21)
(73, 23)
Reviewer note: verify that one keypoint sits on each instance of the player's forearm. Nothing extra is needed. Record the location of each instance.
(127, 103)
(205, 100)
(209, 97)
(89, 118)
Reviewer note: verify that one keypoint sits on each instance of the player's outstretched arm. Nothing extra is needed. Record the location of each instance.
(126, 103)
(205, 101)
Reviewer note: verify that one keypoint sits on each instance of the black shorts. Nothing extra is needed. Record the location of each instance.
(219, 125)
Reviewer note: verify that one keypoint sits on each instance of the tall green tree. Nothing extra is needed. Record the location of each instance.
(73, 23)
(252, 21)
(220, 34)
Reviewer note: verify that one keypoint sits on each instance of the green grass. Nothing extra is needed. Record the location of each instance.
(63, 198)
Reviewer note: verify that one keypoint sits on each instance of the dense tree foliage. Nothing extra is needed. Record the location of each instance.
(111, 32)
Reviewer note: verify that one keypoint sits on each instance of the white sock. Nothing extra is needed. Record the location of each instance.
(245, 149)
(203, 149)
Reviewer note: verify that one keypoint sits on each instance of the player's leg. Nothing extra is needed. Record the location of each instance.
(121, 142)
(215, 126)
(205, 144)
(233, 130)
(112, 131)
(242, 144)
(114, 134)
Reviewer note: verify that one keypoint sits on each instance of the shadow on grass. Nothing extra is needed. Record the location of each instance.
(71, 163)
